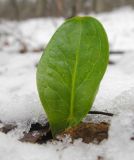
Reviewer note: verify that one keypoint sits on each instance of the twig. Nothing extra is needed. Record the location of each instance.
(116, 52)
(103, 113)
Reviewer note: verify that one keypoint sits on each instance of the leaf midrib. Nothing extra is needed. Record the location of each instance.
(74, 78)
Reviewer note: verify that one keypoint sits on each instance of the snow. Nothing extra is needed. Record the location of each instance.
(120, 28)
(34, 33)
(113, 85)
(119, 145)
(19, 101)
(128, 61)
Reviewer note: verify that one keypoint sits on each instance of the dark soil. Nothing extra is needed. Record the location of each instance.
(100, 158)
(132, 138)
(7, 128)
(38, 134)
(88, 132)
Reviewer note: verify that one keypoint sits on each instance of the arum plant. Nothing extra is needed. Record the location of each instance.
(70, 71)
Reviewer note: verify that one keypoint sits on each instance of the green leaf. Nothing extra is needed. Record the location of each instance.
(70, 71)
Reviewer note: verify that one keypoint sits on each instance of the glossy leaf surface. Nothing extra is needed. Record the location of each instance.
(70, 71)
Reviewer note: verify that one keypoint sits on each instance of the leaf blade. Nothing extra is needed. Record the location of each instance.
(70, 71)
